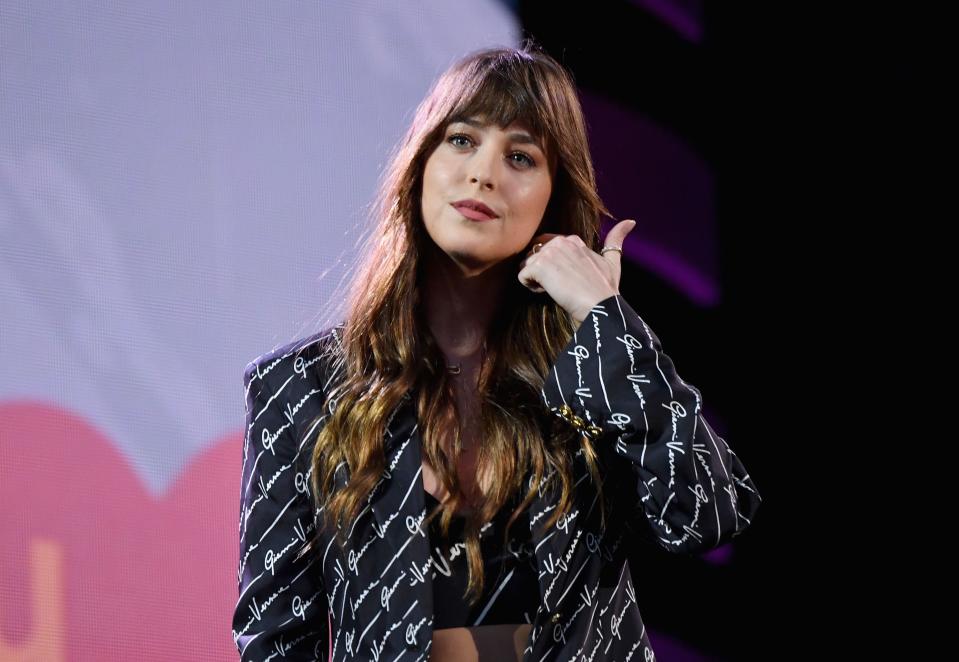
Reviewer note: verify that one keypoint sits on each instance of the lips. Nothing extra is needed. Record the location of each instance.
(474, 209)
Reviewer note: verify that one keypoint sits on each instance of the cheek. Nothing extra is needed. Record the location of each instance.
(536, 200)
(430, 197)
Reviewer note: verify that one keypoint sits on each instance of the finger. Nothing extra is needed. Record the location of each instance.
(526, 278)
(617, 237)
(541, 239)
(531, 285)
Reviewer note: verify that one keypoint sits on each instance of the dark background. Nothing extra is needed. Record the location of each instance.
(810, 118)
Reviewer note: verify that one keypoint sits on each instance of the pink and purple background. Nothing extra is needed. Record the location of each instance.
(181, 186)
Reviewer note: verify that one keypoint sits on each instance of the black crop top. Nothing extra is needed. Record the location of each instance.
(510, 588)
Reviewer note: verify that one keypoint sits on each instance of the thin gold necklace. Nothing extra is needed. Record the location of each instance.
(455, 369)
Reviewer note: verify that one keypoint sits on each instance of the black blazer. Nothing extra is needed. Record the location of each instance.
(668, 478)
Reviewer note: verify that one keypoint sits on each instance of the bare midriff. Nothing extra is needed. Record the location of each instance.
(481, 643)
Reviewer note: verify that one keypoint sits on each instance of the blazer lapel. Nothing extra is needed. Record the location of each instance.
(548, 546)
(552, 547)
(397, 500)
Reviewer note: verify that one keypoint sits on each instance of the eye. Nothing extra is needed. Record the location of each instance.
(525, 158)
(529, 161)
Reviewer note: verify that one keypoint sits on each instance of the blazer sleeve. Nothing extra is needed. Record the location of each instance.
(614, 383)
(282, 608)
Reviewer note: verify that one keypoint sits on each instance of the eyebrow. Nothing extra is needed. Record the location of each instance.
(523, 138)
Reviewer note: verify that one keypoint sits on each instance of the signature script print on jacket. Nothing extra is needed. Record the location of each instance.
(669, 478)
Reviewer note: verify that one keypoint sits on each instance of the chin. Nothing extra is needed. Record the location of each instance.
(468, 258)
(474, 261)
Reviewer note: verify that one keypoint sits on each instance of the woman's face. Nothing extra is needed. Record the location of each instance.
(506, 170)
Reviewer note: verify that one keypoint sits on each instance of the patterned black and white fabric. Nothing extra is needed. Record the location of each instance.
(668, 478)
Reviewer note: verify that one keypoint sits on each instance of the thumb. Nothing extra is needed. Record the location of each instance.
(617, 235)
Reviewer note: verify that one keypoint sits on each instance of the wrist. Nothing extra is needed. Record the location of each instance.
(579, 316)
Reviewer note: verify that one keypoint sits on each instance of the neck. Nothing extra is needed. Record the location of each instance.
(460, 304)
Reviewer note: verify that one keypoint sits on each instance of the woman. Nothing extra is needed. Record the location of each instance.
(459, 469)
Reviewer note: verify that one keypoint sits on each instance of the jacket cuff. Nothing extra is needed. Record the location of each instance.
(600, 381)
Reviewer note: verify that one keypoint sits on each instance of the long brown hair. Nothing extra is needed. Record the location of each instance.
(386, 349)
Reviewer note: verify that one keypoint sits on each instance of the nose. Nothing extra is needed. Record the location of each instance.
(483, 165)
(486, 181)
